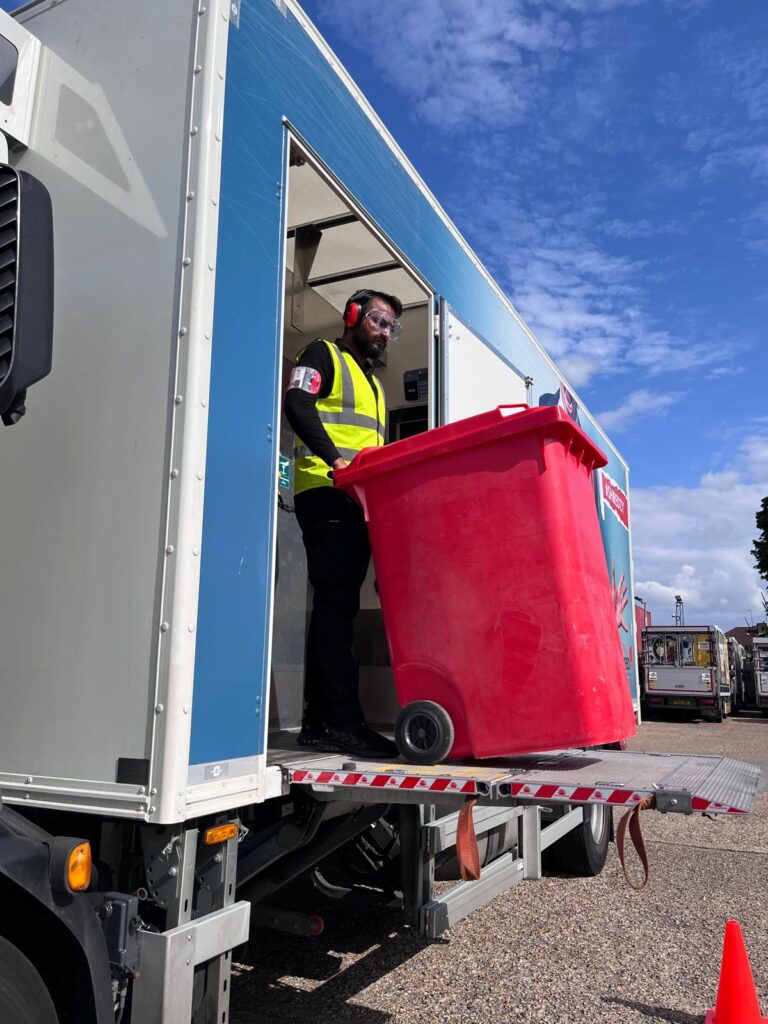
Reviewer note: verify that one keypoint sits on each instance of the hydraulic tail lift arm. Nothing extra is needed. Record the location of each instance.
(523, 790)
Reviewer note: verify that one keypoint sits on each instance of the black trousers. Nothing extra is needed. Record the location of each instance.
(338, 554)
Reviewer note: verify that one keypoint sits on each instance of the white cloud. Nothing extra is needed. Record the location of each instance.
(585, 304)
(752, 158)
(507, 94)
(638, 405)
(745, 65)
(642, 228)
(696, 541)
(461, 64)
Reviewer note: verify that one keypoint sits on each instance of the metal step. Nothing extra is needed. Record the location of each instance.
(439, 914)
(679, 782)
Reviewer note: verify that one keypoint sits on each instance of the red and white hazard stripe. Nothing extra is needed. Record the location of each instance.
(378, 780)
(604, 795)
(469, 787)
(576, 794)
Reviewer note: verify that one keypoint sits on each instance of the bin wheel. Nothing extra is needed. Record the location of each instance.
(424, 732)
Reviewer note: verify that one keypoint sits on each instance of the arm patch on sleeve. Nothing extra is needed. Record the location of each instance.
(306, 378)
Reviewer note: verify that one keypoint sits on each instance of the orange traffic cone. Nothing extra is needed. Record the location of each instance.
(736, 993)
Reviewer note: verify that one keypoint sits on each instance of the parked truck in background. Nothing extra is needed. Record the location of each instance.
(742, 676)
(687, 669)
(200, 186)
(760, 668)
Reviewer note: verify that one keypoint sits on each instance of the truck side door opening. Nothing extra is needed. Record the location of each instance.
(332, 251)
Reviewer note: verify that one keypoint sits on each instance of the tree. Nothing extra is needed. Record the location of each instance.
(760, 547)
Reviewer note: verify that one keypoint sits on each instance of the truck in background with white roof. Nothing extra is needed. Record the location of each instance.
(686, 669)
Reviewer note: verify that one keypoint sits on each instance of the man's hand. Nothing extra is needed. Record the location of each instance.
(338, 464)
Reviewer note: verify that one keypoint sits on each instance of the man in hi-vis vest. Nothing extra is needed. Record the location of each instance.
(335, 406)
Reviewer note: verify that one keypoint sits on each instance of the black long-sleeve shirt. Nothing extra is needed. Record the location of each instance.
(301, 406)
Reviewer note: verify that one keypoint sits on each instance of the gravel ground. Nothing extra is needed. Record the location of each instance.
(558, 950)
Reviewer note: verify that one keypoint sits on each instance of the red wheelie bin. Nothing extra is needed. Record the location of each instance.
(494, 587)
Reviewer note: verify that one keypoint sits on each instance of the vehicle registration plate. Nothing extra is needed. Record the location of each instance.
(681, 701)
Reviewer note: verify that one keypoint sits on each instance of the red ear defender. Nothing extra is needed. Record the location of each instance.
(352, 319)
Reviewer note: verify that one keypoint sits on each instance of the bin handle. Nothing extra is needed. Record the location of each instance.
(511, 410)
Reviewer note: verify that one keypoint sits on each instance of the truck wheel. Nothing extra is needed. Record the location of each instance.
(424, 732)
(24, 999)
(583, 850)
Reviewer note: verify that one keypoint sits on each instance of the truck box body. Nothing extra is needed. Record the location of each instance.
(154, 598)
(219, 187)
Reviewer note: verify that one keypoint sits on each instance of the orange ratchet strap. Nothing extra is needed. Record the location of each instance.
(632, 821)
(466, 843)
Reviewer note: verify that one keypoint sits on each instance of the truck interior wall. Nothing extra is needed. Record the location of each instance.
(84, 473)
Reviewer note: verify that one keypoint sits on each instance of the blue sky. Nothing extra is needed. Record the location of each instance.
(608, 161)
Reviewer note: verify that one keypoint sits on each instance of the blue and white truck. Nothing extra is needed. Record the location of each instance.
(189, 191)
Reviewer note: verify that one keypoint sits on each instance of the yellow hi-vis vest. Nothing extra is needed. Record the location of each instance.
(353, 414)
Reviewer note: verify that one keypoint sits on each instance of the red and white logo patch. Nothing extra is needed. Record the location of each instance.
(305, 378)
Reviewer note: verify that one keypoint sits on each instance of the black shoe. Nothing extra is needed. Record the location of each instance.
(310, 735)
(357, 740)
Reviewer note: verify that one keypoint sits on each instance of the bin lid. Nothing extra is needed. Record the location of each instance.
(501, 423)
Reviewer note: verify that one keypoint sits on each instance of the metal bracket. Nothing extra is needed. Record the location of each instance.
(162, 988)
(678, 800)
(441, 834)
(462, 899)
(169, 860)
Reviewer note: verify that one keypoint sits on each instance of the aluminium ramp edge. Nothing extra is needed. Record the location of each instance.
(679, 782)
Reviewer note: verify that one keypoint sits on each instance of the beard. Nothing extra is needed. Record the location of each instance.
(374, 349)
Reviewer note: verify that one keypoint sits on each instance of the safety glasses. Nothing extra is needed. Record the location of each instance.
(382, 322)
